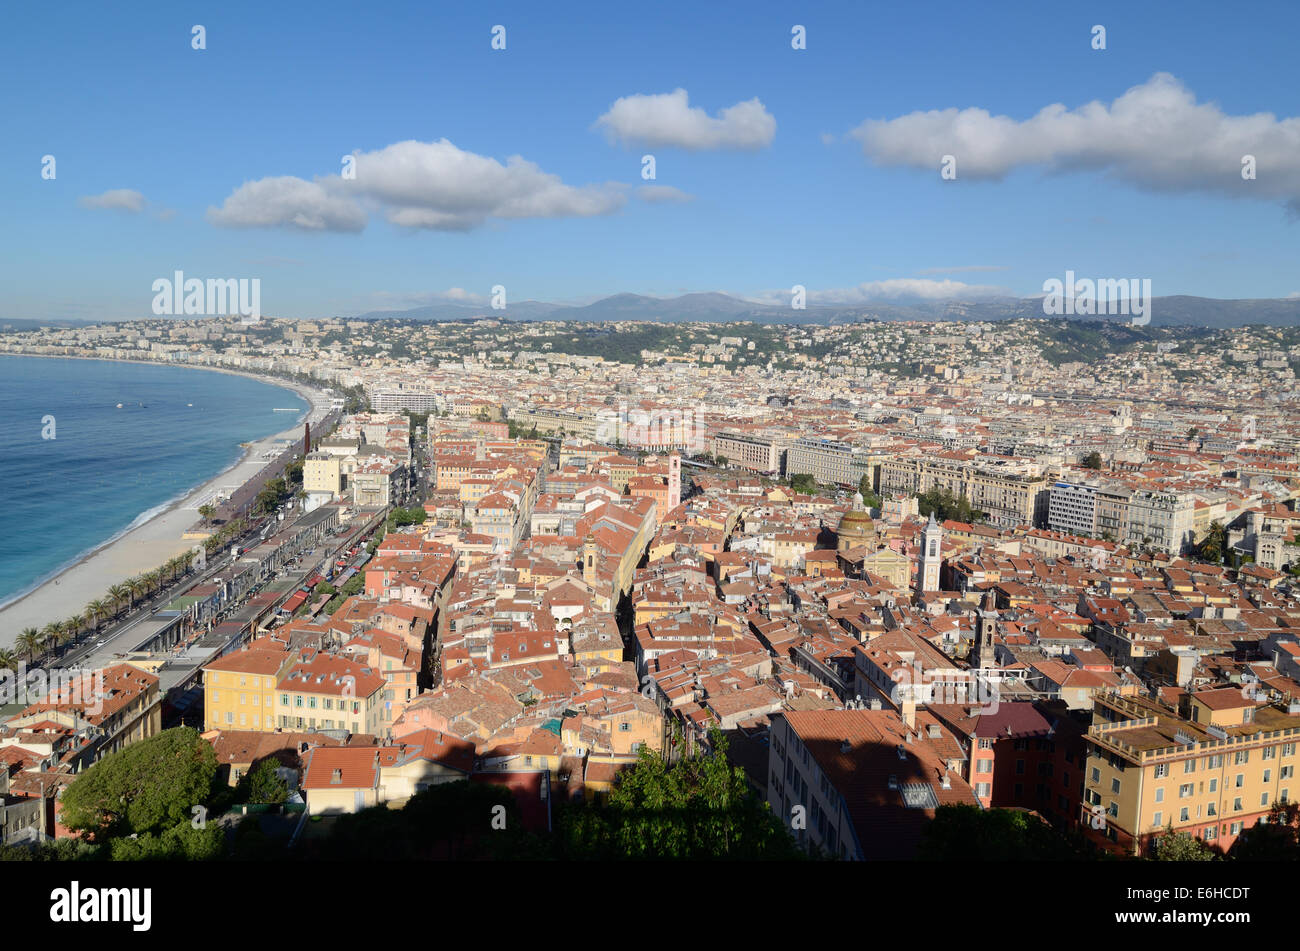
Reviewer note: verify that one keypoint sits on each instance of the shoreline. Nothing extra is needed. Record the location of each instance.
(144, 545)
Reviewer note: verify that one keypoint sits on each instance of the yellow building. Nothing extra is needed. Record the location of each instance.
(239, 689)
(1211, 770)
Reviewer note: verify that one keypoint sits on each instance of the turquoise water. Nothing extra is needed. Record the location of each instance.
(108, 469)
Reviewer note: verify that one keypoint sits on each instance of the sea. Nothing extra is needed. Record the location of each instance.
(78, 471)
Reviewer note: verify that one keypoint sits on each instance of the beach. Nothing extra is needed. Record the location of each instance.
(150, 544)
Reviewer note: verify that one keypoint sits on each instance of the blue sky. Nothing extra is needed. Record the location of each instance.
(225, 162)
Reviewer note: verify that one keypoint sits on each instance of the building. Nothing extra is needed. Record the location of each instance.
(239, 688)
(1211, 769)
(862, 784)
(831, 462)
(757, 453)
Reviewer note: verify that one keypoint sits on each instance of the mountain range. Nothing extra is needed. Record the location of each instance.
(1173, 311)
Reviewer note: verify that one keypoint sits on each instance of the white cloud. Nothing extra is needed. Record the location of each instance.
(286, 201)
(964, 268)
(900, 288)
(1155, 136)
(1294, 295)
(663, 193)
(666, 119)
(117, 199)
(432, 185)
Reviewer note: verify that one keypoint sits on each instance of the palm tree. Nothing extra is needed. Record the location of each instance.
(8, 659)
(74, 626)
(96, 609)
(29, 642)
(137, 587)
(119, 593)
(50, 635)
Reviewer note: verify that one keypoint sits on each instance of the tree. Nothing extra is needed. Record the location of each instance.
(1174, 846)
(29, 642)
(207, 510)
(1277, 840)
(149, 786)
(96, 609)
(1092, 460)
(963, 833)
(118, 594)
(696, 808)
(1214, 545)
(264, 784)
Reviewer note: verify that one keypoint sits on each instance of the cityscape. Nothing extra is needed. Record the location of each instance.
(476, 514)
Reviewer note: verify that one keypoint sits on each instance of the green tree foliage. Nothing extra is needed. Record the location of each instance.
(1174, 846)
(264, 784)
(803, 483)
(869, 497)
(1277, 840)
(968, 833)
(181, 842)
(147, 787)
(1215, 544)
(446, 821)
(398, 517)
(1092, 460)
(945, 505)
(696, 808)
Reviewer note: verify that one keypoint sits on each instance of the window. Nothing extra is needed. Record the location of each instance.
(1162, 770)
(284, 699)
(1268, 752)
(986, 744)
(1160, 794)
(1267, 774)
(1184, 790)
(1114, 786)
(1096, 775)
(1235, 828)
(1189, 766)
(1215, 762)
(1236, 805)
(1286, 772)
(984, 766)
(1214, 785)
(1288, 749)
(1240, 781)
(982, 790)
(311, 703)
(1182, 814)
(1263, 799)
(297, 700)
(216, 696)
(1158, 820)
(1211, 833)
(1242, 757)
(1020, 767)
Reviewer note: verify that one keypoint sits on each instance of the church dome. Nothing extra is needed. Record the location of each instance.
(856, 527)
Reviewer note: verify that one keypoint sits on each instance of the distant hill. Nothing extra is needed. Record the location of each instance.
(1175, 311)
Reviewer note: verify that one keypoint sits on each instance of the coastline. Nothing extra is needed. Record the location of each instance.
(148, 543)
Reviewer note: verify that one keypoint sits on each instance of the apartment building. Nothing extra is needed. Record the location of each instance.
(831, 462)
(1010, 494)
(239, 689)
(757, 453)
(1072, 508)
(1211, 769)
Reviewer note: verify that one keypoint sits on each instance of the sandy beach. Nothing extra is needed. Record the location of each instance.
(150, 544)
